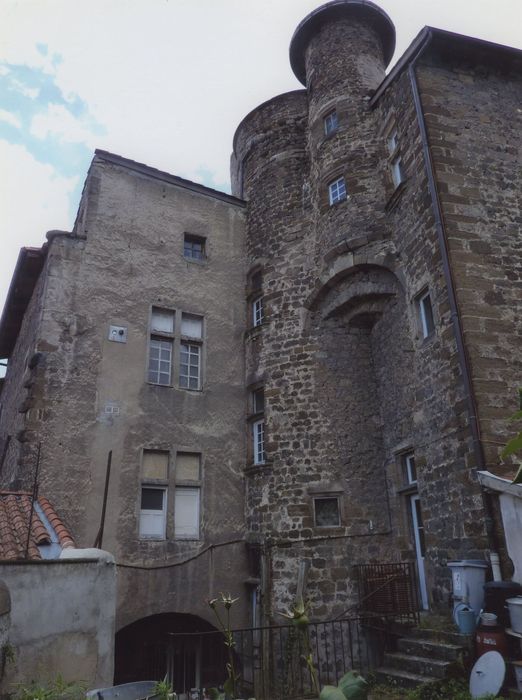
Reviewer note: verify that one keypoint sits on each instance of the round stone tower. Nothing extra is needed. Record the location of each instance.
(313, 394)
(340, 52)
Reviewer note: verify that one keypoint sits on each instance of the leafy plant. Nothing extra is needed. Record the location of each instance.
(164, 690)
(352, 686)
(57, 689)
(298, 616)
(230, 686)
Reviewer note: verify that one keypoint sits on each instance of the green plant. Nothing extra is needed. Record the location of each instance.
(164, 690)
(298, 616)
(352, 686)
(230, 686)
(57, 689)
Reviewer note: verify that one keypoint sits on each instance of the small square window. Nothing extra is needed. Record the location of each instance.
(331, 123)
(162, 321)
(258, 314)
(193, 247)
(426, 315)
(152, 512)
(188, 466)
(155, 465)
(191, 326)
(337, 191)
(326, 511)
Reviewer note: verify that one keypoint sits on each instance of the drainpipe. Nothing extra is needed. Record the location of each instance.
(450, 285)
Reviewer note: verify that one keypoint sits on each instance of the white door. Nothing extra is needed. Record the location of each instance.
(418, 536)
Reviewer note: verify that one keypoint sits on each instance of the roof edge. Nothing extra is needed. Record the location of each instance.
(156, 174)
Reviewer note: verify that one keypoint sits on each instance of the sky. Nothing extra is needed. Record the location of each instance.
(164, 82)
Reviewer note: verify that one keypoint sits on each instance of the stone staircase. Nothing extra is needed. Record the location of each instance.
(424, 655)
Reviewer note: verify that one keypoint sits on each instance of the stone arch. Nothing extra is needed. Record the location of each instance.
(358, 319)
(182, 645)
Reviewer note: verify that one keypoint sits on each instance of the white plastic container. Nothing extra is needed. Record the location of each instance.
(515, 613)
(469, 576)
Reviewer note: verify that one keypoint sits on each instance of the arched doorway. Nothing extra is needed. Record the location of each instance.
(185, 648)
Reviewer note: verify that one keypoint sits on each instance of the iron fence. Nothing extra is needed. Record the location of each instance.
(272, 660)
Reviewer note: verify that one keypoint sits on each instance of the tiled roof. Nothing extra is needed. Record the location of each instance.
(46, 527)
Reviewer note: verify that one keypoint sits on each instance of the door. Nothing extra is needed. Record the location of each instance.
(418, 536)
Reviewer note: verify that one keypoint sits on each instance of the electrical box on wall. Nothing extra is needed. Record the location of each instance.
(118, 334)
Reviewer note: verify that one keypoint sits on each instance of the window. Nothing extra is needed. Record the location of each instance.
(258, 437)
(258, 311)
(193, 247)
(394, 160)
(161, 346)
(331, 123)
(393, 142)
(258, 400)
(190, 352)
(426, 315)
(326, 511)
(164, 339)
(187, 496)
(337, 191)
(152, 512)
(153, 505)
(410, 470)
(256, 410)
(397, 172)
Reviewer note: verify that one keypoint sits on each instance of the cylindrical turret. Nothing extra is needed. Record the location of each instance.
(340, 51)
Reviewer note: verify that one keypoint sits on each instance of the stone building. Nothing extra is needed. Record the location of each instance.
(310, 370)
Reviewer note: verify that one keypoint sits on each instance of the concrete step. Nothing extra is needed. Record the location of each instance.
(403, 679)
(446, 637)
(430, 648)
(418, 665)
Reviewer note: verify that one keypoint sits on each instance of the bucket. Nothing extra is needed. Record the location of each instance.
(515, 613)
(496, 594)
(466, 620)
(488, 619)
(517, 665)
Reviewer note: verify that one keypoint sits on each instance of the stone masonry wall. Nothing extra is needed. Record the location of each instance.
(470, 112)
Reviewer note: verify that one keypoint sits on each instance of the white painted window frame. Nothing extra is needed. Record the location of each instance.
(258, 312)
(258, 441)
(331, 122)
(427, 326)
(154, 513)
(337, 191)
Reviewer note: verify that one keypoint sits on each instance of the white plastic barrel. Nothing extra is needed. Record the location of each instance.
(469, 576)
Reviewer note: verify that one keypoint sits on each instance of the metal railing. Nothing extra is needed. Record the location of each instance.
(271, 660)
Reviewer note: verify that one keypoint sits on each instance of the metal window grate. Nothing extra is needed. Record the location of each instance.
(389, 589)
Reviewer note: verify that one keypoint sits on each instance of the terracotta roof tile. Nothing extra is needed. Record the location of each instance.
(15, 512)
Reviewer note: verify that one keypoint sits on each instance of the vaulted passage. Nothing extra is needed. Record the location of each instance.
(185, 648)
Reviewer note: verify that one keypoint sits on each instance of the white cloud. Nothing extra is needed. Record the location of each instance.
(10, 118)
(58, 121)
(33, 200)
(26, 91)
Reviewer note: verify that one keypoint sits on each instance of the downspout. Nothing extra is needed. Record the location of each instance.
(450, 285)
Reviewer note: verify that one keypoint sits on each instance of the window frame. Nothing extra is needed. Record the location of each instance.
(337, 191)
(152, 512)
(426, 321)
(193, 239)
(160, 336)
(327, 497)
(258, 441)
(176, 340)
(188, 483)
(331, 122)
(196, 489)
(410, 470)
(258, 311)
